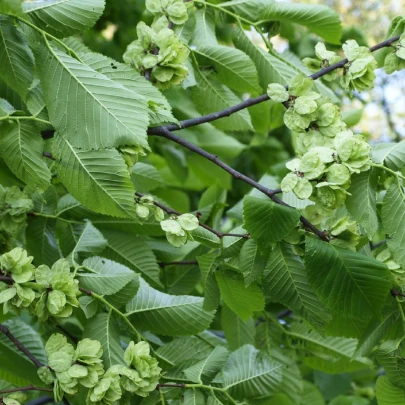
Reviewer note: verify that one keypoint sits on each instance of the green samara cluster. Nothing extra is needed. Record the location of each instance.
(157, 51)
(46, 292)
(328, 153)
(69, 368)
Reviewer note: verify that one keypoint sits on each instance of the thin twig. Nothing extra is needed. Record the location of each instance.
(171, 211)
(180, 385)
(378, 244)
(20, 346)
(165, 133)
(256, 100)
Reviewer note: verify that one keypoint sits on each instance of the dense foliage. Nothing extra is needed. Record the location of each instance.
(257, 258)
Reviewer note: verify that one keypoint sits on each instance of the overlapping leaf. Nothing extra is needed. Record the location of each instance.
(105, 277)
(132, 252)
(104, 329)
(361, 204)
(249, 373)
(211, 96)
(166, 314)
(160, 110)
(271, 67)
(235, 69)
(268, 222)
(237, 332)
(92, 111)
(387, 393)
(393, 217)
(242, 300)
(391, 154)
(347, 282)
(204, 31)
(319, 19)
(98, 179)
(16, 59)
(42, 242)
(21, 147)
(329, 354)
(63, 18)
(286, 282)
(207, 368)
(89, 242)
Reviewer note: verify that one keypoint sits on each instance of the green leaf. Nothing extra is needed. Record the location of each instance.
(268, 222)
(206, 264)
(390, 154)
(102, 173)
(6, 109)
(361, 204)
(204, 31)
(211, 96)
(89, 242)
(285, 281)
(212, 294)
(193, 397)
(146, 177)
(125, 295)
(63, 18)
(387, 393)
(394, 222)
(88, 305)
(106, 277)
(165, 314)
(132, 252)
(311, 395)
(269, 68)
(319, 19)
(329, 354)
(183, 349)
(249, 373)
(104, 329)
(15, 364)
(237, 332)
(36, 104)
(292, 384)
(347, 282)
(206, 237)
(244, 301)
(160, 110)
(11, 96)
(42, 242)
(114, 115)
(16, 59)
(206, 369)
(272, 67)
(235, 69)
(377, 329)
(389, 356)
(21, 147)
(252, 261)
